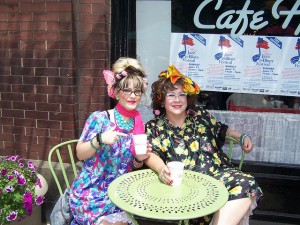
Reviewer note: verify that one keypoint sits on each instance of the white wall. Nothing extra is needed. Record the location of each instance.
(153, 27)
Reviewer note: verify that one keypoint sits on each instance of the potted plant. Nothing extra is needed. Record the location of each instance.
(18, 183)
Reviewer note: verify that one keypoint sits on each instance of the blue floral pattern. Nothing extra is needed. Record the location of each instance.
(88, 195)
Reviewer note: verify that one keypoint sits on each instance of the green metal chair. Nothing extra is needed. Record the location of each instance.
(64, 147)
(232, 141)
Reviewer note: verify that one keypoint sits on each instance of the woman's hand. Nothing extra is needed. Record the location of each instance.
(111, 136)
(247, 145)
(164, 175)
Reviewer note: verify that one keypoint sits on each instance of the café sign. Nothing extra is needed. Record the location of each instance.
(239, 20)
(236, 17)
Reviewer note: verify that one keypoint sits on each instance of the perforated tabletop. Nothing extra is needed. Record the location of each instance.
(142, 193)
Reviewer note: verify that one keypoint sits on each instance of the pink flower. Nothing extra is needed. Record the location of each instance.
(39, 200)
(38, 181)
(9, 188)
(27, 203)
(3, 172)
(16, 172)
(21, 180)
(156, 112)
(31, 165)
(18, 181)
(12, 216)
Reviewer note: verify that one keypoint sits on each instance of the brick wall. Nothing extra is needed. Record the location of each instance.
(51, 52)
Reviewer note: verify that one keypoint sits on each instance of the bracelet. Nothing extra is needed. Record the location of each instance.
(137, 164)
(242, 138)
(138, 160)
(92, 144)
(99, 139)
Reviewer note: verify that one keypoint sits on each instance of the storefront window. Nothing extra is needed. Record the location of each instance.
(157, 20)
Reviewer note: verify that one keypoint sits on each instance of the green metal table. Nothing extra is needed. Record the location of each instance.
(141, 193)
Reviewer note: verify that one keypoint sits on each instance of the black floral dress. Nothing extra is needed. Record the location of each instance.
(198, 143)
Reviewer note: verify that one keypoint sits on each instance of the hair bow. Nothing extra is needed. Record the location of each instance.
(110, 80)
(121, 75)
(189, 86)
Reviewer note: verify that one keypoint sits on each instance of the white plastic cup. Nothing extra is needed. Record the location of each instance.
(140, 144)
(176, 170)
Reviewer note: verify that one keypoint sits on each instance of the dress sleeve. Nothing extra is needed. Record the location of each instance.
(154, 138)
(218, 129)
(95, 123)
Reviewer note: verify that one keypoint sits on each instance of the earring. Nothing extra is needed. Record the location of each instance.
(162, 105)
(117, 98)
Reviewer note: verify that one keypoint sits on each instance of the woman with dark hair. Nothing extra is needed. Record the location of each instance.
(179, 133)
(106, 148)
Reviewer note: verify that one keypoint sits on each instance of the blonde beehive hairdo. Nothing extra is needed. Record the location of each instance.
(135, 72)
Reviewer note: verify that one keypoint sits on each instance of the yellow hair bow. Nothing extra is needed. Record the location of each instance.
(189, 86)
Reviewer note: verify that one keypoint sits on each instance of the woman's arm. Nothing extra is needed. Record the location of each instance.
(158, 165)
(247, 144)
(85, 150)
(154, 162)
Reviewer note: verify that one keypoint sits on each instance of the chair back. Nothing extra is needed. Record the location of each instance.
(232, 141)
(57, 150)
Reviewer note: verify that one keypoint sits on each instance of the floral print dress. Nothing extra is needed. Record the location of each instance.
(198, 144)
(89, 200)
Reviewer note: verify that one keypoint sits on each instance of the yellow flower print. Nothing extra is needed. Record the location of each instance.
(169, 132)
(212, 169)
(166, 142)
(181, 132)
(186, 152)
(217, 160)
(186, 138)
(194, 146)
(230, 179)
(236, 191)
(201, 157)
(213, 141)
(202, 130)
(179, 151)
(207, 218)
(192, 163)
(227, 175)
(213, 121)
(156, 142)
(186, 162)
(163, 148)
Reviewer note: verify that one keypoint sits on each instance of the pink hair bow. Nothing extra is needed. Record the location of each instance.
(110, 80)
(121, 75)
